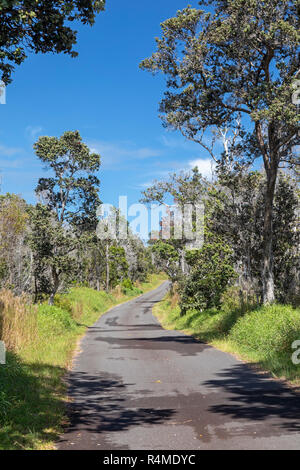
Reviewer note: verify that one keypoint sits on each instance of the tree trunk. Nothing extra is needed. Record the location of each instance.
(107, 268)
(55, 278)
(182, 260)
(97, 273)
(268, 274)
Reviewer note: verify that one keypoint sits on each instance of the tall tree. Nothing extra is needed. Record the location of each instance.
(72, 191)
(40, 26)
(236, 68)
(70, 196)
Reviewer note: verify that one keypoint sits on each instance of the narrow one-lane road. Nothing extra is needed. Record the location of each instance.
(136, 386)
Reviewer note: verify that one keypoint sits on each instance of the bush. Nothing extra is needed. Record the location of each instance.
(63, 303)
(126, 285)
(211, 273)
(268, 330)
(59, 319)
(133, 292)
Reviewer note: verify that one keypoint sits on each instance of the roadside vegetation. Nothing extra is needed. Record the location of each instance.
(42, 340)
(232, 86)
(262, 335)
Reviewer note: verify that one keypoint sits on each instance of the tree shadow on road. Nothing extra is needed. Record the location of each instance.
(254, 396)
(181, 344)
(99, 406)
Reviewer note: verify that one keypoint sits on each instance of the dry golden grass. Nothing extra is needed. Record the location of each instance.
(18, 320)
(117, 293)
(175, 299)
(78, 310)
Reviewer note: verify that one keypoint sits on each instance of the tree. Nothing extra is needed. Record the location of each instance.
(211, 273)
(235, 69)
(40, 26)
(72, 193)
(54, 252)
(235, 211)
(118, 266)
(70, 196)
(14, 255)
(287, 239)
(168, 260)
(185, 190)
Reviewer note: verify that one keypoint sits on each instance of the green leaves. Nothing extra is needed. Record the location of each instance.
(235, 70)
(211, 272)
(73, 190)
(223, 66)
(67, 220)
(40, 26)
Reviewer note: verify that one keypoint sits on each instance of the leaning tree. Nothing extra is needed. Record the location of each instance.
(235, 65)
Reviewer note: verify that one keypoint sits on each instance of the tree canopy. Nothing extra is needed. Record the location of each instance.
(40, 26)
(235, 68)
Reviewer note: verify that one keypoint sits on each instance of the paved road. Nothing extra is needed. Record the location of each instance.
(136, 386)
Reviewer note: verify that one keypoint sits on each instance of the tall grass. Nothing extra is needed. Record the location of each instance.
(261, 335)
(18, 320)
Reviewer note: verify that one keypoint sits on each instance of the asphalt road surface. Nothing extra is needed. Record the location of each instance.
(136, 386)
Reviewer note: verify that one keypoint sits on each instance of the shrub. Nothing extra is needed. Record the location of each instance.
(133, 292)
(59, 319)
(211, 273)
(268, 330)
(126, 285)
(63, 303)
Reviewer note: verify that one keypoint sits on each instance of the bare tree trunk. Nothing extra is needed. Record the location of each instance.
(182, 260)
(107, 268)
(55, 278)
(268, 263)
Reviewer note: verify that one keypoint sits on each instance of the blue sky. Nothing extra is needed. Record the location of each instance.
(105, 96)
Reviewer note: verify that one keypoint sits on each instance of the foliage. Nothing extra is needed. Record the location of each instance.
(118, 265)
(268, 330)
(14, 260)
(167, 259)
(235, 209)
(235, 70)
(68, 215)
(28, 25)
(127, 284)
(56, 318)
(211, 272)
(52, 246)
(287, 240)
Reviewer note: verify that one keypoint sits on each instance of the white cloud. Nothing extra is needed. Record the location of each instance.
(205, 166)
(33, 131)
(145, 185)
(116, 153)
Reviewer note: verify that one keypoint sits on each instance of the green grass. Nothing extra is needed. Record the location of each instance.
(263, 336)
(32, 390)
